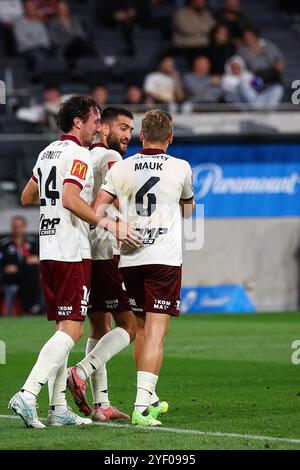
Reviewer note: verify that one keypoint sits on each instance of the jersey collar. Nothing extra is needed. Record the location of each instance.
(70, 137)
(98, 145)
(152, 151)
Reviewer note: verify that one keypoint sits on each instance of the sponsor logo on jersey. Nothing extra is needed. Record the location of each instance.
(151, 234)
(79, 169)
(48, 226)
(162, 304)
(152, 157)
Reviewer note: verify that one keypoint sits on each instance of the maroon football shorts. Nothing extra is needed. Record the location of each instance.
(66, 287)
(108, 292)
(153, 288)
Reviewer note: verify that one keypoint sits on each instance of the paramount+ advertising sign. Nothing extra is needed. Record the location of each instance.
(248, 189)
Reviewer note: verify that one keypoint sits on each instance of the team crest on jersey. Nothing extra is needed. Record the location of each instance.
(79, 169)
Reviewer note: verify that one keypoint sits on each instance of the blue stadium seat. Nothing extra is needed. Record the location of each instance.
(116, 92)
(91, 71)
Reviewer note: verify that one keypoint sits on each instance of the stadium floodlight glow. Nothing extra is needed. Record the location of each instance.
(2, 352)
(2, 92)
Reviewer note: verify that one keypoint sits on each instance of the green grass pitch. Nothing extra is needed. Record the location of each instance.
(224, 376)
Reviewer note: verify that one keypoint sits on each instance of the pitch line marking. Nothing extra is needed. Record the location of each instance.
(188, 431)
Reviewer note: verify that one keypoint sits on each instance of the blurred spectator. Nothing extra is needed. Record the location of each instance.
(123, 15)
(191, 27)
(10, 12)
(68, 35)
(46, 9)
(261, 56)
(19, 268)
(31, 35)
(100, 94)
(44, 114)
(232, 17)
(199, 85)
(164, 86)
(134, 95)
(220, 49)
(241, 86)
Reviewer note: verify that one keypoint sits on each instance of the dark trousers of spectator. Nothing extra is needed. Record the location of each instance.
(30, 289)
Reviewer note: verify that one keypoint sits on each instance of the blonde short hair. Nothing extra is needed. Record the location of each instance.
(157, 125)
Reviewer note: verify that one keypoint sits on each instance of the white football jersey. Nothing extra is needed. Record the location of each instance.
(63, 236)
(149, 186)
(103, 242)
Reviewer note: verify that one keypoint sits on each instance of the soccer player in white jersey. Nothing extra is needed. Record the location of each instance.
(153, 189)
(107, 293)
(62, 184)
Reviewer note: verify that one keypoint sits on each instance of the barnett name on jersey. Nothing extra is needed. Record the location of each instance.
(63, 235)
(103, 242)
(150, 185)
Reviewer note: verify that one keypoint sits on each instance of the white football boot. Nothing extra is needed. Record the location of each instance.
(26, 411)
(69, 418)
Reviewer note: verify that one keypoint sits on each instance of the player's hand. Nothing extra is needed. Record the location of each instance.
(128, 235)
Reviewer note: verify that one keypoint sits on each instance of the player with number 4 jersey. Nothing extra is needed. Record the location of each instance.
(108, 297)
(61, 185)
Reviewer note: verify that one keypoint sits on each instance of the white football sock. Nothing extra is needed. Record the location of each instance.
(52, 355)
(60, 409)
(98, 379)
(154, 398)
(106, 348)
(146, 383)
(57, 385)
(29, 397)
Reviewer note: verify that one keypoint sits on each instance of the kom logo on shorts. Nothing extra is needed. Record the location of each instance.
(162, 304)
(64, 310)
(79, 169)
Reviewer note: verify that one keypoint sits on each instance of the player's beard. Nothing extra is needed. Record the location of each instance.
(115, 144)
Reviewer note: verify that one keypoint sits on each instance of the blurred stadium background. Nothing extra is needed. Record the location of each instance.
(239, 129)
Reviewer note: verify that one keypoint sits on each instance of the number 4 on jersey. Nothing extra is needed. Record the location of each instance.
(49, 193)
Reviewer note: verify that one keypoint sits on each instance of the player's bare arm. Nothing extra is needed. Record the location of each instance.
(72, 201)
(30, 194)
(187, 207)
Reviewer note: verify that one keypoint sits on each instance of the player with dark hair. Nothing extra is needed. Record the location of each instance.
(107, 293)
(62, 185)
(151, 186)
